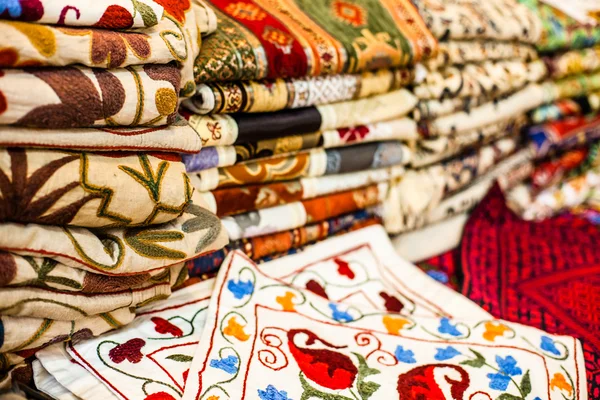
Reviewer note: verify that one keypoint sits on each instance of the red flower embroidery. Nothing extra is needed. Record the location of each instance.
(163, 326)
(353, 134)
(130, 351)
(316, 288)
(344, 268)
(328, 368)
(419, 383)
(185, 375)
(159, 396)
(176, 8)
(391, 303)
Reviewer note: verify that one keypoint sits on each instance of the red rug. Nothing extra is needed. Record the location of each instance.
(544, 274)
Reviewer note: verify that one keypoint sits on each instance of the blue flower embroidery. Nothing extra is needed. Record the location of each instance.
(508, 367)
(438, 276)
(13, 7)
(240, 288)
(549, 346)
(228, 364)
(499, 381)
(447, 328)
(271, 393)
(405, 356)
(446, 354)
(339, 315)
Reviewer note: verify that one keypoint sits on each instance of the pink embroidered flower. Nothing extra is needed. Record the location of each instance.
(130, 351)
(163, 326)
(353, 134)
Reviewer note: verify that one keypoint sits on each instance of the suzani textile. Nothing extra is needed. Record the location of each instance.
(260, 39)
(109, 14)
(78, 97)
(542, 274)
(290, 325)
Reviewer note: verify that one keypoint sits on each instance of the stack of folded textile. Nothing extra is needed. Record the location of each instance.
(303, 117)
(89, 231)
(473, 99)
(565, 137)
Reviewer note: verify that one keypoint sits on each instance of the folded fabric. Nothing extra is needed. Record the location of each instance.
(543, 274)
(429, 151)
(216, 130)
(48, 384)
(554, 199)
(459, 52)
(563, 108)
(317, 162)
(160, 341)
(256, 197)
(498, 19)
(554, 170)
(419, 191)
(110, 14)
(29, 44)
(489, 78)
(91, 189)
(522, 101)
(46, 273)
(574, 86)
(264, 96)
(63, 371)
(431, 109)
(573, 62)
(289, 39)
(45, 302)
(79, 97)
(222, 156)
(120, 251)
(439, 205)
(560, 31)
(178, 137)
(273, 353)
(261, 248)
(296, 214)
(24, 336)
(563, 135)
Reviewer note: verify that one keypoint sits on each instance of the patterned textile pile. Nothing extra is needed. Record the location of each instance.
(344, 319)
(97, 214)
(304, 118)
(565, 137)
(473, 100)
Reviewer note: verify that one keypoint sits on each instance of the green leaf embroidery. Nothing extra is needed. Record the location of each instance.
(526, 384)
(508, 396)
(365, 389)
(147, 178)
(311, 393)
(144, 242)
(148, 15)
(478, 362)
(180, 358)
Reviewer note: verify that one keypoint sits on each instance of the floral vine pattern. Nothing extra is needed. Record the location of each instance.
(291, 344)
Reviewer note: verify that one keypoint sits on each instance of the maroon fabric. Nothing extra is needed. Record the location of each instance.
(544, 274)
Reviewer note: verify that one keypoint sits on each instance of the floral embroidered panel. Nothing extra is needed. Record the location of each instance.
(147, 360)
(267, 340)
